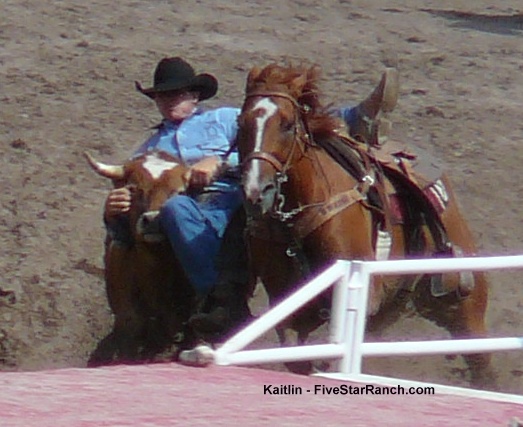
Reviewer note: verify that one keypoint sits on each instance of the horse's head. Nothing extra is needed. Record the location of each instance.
(270, 125)
(152, 179)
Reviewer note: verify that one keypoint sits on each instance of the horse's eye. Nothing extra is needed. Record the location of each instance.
(288, 126)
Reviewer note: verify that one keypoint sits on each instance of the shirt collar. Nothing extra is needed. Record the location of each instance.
(168, 124)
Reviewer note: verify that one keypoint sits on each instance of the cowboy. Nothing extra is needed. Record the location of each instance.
(196, 222)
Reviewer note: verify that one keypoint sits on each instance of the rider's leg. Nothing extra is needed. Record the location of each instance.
(195, 229)
(226, 306)
(363, 119)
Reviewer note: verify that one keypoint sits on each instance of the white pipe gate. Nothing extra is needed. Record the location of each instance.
(347, 324)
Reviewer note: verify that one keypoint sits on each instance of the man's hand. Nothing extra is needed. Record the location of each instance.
(202, 173)
(118, 202)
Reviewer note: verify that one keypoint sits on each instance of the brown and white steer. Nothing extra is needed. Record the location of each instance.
(146, 288)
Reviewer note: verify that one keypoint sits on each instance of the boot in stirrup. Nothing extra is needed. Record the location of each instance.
(383, 99)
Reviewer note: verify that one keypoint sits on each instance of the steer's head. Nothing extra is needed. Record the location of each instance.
(152, 178)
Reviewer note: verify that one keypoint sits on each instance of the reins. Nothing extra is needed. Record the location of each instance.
(299, 222)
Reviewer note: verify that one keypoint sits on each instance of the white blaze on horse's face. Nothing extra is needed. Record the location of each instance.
(156, 166)
(266, 108)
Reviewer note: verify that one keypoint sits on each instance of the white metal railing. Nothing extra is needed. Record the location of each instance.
(347, 326)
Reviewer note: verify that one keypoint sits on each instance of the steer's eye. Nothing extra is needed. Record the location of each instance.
(133, 189)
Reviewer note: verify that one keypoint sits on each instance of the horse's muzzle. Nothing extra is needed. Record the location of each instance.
(260, 201)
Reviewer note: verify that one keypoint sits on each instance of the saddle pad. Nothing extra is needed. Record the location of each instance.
(435, 192)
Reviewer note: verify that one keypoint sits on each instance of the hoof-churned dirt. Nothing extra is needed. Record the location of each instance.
(67, 71)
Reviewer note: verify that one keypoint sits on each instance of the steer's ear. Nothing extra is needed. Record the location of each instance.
(113, 172)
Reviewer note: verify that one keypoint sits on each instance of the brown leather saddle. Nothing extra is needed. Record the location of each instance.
(408, 189)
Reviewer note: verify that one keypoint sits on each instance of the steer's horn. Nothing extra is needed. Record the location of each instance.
(109, 171)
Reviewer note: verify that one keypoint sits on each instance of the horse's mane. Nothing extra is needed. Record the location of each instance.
(275, 77)
(301, 83)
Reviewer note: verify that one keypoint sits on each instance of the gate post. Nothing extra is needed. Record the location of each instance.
(358, 290)
(338, 321)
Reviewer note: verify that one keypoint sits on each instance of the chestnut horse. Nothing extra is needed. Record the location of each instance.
(306, 210)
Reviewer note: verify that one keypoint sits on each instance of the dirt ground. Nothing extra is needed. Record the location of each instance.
(67, 72)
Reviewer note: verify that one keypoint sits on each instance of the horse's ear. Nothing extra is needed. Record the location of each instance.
(251, 78)
(298, 84)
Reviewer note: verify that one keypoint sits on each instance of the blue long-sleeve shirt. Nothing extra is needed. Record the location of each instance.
(204, 134)
(208, 133)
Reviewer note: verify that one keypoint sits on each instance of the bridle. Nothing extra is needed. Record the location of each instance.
(283, 167)
(270, 158)
(325, 210)
(314, 214)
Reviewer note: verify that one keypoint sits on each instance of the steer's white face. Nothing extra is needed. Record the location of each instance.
(153, 178)
(156, 166)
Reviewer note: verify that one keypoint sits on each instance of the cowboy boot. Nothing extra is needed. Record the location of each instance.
(383, 99)
(225, 309)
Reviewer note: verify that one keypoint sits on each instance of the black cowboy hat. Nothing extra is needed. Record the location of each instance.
(177, 74)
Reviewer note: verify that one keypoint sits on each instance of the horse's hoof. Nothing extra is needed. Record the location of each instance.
(201, 355)
(487, 379)
(300, 368)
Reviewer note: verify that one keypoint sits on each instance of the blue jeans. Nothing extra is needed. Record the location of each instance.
(195, 227)
(349, 114)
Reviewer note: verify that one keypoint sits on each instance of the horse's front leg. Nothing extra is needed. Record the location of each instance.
(281, 274)
(290, 337)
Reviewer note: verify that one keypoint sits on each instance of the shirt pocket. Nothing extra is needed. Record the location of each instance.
(213, 141)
